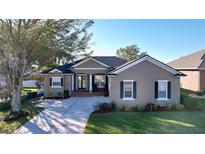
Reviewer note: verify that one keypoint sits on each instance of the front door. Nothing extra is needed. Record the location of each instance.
(82, 82)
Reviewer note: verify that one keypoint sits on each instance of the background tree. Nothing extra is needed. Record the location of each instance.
(24, 43)
(130, 52)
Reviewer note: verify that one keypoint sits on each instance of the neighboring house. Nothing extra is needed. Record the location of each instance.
(32, 79)
(193, 66)
(144, 80)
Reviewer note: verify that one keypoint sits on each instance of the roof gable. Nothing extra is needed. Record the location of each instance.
(90, 63)
(148, 58)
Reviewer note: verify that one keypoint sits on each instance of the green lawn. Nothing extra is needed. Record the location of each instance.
(148, 122)
(9, 127)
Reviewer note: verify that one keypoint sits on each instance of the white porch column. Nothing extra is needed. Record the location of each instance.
(72, 82)
(90, 83)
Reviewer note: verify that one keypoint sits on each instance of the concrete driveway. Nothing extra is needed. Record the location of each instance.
(68, 116)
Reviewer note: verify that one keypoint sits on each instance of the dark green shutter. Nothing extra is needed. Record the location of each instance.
(74, 82)
(62, 82)
(93, 82)
(169, 89)
(134, 89)
(50, 82)
(106, 83)
(121, 89)
(88, 82)
(156, 89)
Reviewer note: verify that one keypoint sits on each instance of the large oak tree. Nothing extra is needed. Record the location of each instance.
(24, 43)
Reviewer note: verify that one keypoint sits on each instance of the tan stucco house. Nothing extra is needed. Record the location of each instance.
(143, 80)
(193, 66)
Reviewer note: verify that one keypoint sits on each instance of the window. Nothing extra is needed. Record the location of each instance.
(100, 81)
(128, 89)
(162, 89)
(56, 81)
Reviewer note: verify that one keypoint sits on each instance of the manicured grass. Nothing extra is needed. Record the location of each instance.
(9, 127)
(148, 122)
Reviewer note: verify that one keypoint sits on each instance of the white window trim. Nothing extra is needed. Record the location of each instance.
(52, 83)
(163, 99)
(127, 98)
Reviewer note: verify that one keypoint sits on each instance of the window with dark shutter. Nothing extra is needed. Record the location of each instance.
(61, 81)
(128, 89)
(50, 82)
(121, 89)
(169, 89)
(56, 82)
(134, 89)
(162, 89)
(156, 89)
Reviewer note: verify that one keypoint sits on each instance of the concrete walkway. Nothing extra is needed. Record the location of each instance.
(196, 96)
(68, 116)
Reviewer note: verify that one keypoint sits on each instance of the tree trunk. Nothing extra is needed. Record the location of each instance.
(16, 99)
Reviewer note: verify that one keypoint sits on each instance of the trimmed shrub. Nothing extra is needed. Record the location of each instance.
(113, 106)
(5, 105)
(179, 106)
(120, 107)
(140, 107)
(60, 94)
(66, 93)
(134, 108)
(105, 107)
(50, 94)
(169, 107)
(31, 95)
(151, 107)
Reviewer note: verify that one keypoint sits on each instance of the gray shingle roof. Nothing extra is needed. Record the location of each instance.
(64, 68)
(111, 61)
(195, 60)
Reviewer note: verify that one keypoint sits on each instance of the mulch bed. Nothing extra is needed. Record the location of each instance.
(185, 110)
(13, 117)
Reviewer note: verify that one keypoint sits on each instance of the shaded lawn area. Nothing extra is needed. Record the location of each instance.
(181, 122)
(9, 127)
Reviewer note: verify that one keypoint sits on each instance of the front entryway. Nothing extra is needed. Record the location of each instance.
(82, 82)
(89, 85)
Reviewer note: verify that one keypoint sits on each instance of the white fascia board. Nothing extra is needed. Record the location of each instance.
(90, 58)
(148, 59)
(89, 68)
(55, 70)
(128, 66)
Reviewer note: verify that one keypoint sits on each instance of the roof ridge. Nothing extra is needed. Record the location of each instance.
(106, 56)
(193, 53)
